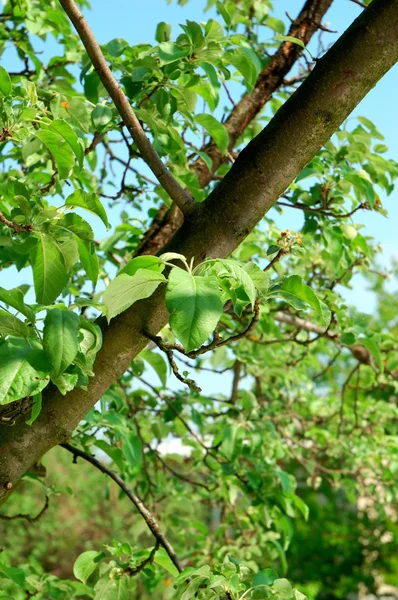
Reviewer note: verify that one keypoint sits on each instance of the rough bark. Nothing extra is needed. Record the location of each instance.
(269, 80)
(367, 50)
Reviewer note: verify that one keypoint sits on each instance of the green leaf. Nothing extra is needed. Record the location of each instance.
(132, 449)
(114, 453)
(298, 294)
(36, 409)
(101, 116)
(170, 52)
(289, 38)
(5, 82)
(157, 362)
(232, 437)
(60, 341)
(11, 325)
(65, 130)
(258, 277)
(373, 347)
(24, 370)
(116, 47)
(85, 565)
(194, 305)
(113, 589)
(163, 32)
(15, 574)
(89, 201)
(123, 291)
(348, 338)
(89, 259)
(15, 298)
(192, 588)
(362, 186)
(153, 263)
(162, 559)
(59, 149)
(78, 226)
(65, 382)
(224, 13)
(275, 24)
(215, 129)
(49, 273)
(265, 577)
(283, 588)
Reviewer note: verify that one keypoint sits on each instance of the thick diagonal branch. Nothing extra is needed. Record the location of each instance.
(149, 154)
(340, 80)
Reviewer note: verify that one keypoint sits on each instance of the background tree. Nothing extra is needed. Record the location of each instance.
(311, 415)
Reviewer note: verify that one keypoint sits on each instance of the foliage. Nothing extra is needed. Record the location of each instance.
(306, 440)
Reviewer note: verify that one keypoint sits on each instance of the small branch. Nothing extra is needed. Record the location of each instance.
(14, 226)
(27, 517)
(276, 259)
(132, 571)
(148, 517)
(236, 380)
(359, 3)
(168, 350)
(181, 198)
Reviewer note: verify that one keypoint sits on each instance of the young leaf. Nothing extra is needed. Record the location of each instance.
(283, 589)
(215, 129)
(60, 341)
(65, 382)
(49, 272)
(89, 201)
(123, 291)
(65, 130)
(89, 259)
(300, 295)
(60, 151)
(11, 325)
(265, 577)
(158, 364)
(194, 305)
(101, 116)
(24, 370)
(36, 409)
(132, 449)
(85, 565)
(5, 82)
(153, 263)
(289, 38)
(15, 298)
(162, 558)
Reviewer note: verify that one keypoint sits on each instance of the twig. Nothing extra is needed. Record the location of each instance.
(14, 226)
(168, 350)
(148, 517)
(276, 259)
(181, 198)
(236, 380)
(131, 571)
(27, 517)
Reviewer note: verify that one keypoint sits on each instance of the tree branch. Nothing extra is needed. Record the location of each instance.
(26, 516)
(148, 517)
(259, 176)
(181, 198)
(268, 81)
